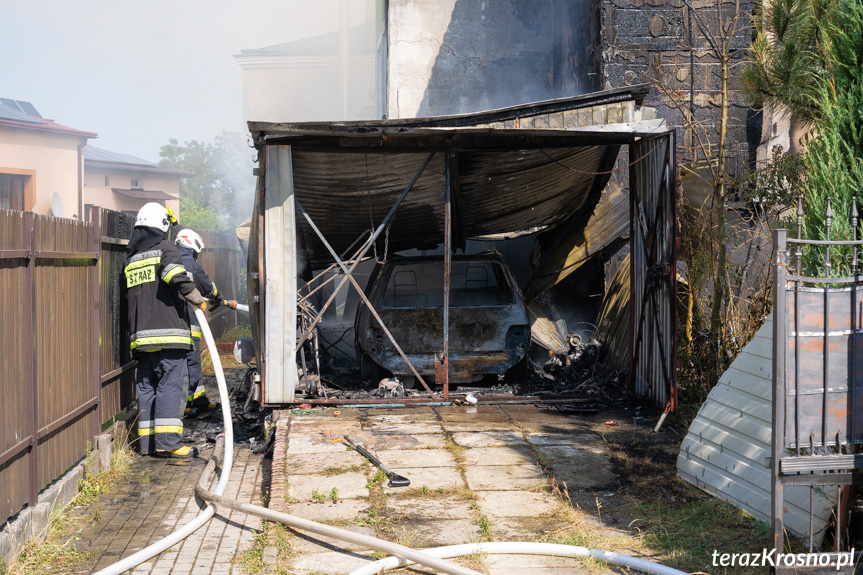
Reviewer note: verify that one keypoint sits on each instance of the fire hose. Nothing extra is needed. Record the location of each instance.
(433, 558)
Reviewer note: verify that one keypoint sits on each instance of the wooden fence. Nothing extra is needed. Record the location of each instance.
(65, 366)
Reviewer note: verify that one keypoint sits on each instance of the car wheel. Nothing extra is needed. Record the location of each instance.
(369, 370)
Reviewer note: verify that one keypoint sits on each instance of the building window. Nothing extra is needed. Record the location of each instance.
(135, 184)
(12, 191)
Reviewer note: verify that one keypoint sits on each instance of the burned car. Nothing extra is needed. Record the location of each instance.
(489, 331)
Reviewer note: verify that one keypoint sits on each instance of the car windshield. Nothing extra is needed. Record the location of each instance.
(472, 284)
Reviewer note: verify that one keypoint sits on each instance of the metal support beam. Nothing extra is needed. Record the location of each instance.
(364, 298)
(362, 251)
(447, 273)
(777, 494)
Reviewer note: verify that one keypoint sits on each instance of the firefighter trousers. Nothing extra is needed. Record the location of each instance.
(197, 394)
(162, 382)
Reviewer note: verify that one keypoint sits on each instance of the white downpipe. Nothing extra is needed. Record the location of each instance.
(523, 548)
(163, 544)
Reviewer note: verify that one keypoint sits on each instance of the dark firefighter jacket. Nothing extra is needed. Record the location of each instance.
(155, 284)
(202, 281)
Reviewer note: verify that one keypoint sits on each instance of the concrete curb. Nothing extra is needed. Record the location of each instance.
(279, 473)
(33, 522)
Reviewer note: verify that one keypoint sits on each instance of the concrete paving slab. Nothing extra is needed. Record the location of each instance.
(437, 533)
(504, 477)
(535, 420)
(535, 564)
(393, 440)
(513, 455)
(476, 418)
(404, 415)
(416, 458)
(516, 503)
(330, 563)
(415, 428)
(428, 508)
(488, 438)
(580, 468)
(305, 463)
(347, 485)
(313, 443)
(309, 543)
(433, 478)
(580, 439)
(523, 528)
(343, 509)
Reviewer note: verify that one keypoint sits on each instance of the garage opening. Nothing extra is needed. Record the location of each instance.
(401, 261)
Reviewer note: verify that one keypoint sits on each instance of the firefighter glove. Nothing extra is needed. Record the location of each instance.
(196, 299)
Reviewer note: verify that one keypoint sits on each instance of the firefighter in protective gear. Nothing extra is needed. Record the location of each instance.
(157, 289)
(191, 244)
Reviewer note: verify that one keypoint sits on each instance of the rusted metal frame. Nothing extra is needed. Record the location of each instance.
(447, 272)
(486, 399)
(112, 375)
(779, 394)
(672, 274)
(14, 254)
(30, 346)
(73, 415)
(96, 218)
(365, 298)
(328, 269)
(306, 334)
(364, 249)
(651, 253)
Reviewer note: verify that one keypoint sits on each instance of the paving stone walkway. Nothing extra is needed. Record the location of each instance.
(158, 498)
(477, 473)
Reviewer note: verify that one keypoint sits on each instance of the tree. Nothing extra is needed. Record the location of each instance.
(220, 194)
(834, 158)
(790, 54)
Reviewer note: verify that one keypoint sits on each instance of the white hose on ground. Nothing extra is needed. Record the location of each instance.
(177, 536)
(524, 548)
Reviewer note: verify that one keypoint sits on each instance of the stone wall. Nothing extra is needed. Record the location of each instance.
(661, 40)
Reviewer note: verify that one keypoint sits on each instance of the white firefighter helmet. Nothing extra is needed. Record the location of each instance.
(153, 215)
(190, 239)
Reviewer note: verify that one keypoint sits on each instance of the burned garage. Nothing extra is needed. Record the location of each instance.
(496, 253)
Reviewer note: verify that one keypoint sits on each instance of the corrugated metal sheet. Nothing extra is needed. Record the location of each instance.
(579, 240)
(653, 279)
(727, 449)
(498, 192)
(612, 324)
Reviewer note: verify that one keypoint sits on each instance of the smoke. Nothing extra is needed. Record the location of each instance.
(235, 159)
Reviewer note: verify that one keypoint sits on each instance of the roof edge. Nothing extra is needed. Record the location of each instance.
(637, 93)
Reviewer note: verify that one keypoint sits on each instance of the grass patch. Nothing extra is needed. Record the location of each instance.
(687, 535)
(332, 471)
(680, 523)
(271, 534)
(58, 552)
(235, 333)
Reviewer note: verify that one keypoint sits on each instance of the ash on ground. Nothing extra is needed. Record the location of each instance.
(577, 371)
(251, 423)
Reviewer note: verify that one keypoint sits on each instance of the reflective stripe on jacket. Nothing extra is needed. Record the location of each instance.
(202, 281)
(155, 282)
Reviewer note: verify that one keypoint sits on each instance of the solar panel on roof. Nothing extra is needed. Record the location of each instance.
(11, 103)
(29, 108)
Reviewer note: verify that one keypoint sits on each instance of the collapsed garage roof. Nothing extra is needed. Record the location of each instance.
(513, 170)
